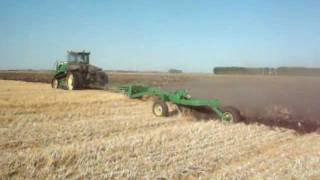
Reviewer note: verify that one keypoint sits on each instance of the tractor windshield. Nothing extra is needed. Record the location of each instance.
(85, 58)
(79, 57)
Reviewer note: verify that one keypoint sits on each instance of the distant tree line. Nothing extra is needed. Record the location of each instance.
(298, 71)
(175, 71)
(303, 71)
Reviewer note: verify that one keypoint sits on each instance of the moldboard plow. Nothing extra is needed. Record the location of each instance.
(180, 98)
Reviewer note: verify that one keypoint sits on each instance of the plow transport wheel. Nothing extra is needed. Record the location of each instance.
(160, 108)
(230, 114)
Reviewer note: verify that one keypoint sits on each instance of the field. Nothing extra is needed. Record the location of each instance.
(115, 78)
(56, 134)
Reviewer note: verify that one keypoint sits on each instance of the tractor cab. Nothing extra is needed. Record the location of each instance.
(78, 57)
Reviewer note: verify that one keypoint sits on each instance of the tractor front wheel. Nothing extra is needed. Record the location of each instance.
(160, 108)
(230, 114)
(54, 83)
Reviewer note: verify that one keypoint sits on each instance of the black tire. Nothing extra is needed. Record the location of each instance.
(55, 83)
(160, 108)
(231, 114)
(102, 78)
(79, 79)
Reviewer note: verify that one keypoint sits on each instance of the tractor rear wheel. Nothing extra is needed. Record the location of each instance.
(231, 114)
(54, 83)
(102, 78)
(79, 79)
(160, 108)
(73, 80)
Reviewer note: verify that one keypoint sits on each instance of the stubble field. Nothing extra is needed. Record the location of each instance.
(56, 134)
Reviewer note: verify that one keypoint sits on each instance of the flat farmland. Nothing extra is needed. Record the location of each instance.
(56, 134)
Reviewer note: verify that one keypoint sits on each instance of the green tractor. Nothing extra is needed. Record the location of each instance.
(77, 73)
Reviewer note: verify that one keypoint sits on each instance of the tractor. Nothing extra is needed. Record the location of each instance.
(78, 73)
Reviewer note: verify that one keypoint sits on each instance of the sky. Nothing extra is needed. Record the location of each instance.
(190, 35)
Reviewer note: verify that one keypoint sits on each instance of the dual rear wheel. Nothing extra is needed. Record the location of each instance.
(160, 108)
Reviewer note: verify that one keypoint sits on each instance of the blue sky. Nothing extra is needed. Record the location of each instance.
(190, 35)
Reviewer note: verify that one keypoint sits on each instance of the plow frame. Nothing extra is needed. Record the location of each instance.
(179, 97)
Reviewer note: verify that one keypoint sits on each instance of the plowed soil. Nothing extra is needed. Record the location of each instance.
(281, 101)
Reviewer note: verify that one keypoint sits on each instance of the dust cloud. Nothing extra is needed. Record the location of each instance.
(285, 101)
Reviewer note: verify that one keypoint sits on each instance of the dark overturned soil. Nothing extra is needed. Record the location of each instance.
(275, 101)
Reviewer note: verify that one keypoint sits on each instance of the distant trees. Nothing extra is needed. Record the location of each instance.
(244, 70)
(303, 71)
(175, 71)
(298, 71)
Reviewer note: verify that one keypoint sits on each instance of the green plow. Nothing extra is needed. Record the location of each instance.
(180, 98)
